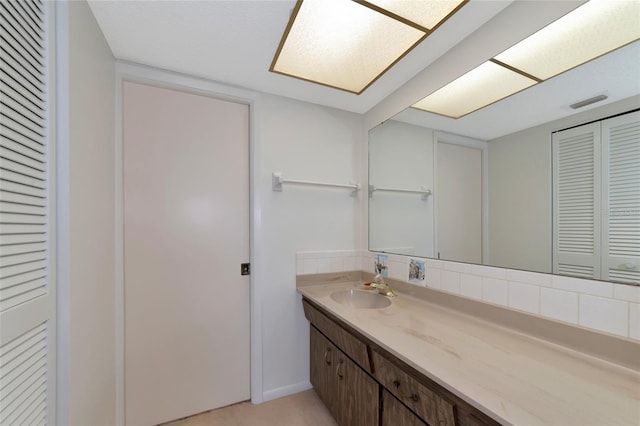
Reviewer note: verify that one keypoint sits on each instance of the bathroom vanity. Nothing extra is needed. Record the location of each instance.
(362, 384)
(416, 362)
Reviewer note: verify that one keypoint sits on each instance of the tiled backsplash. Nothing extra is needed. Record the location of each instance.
(597, 305)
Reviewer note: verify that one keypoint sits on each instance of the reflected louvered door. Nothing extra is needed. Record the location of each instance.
(27, 297)
(621, 193)
(576, 201)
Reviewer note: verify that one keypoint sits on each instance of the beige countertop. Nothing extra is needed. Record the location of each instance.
(512, 377)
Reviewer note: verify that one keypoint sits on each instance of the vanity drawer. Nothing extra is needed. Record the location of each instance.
(349, 344)
(423, 401)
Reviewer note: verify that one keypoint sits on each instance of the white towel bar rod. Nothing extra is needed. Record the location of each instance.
(425, 192)
(278, 180)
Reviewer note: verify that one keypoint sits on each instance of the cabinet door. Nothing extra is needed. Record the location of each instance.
(358, 398)
(394, 413)
(349, 393)
(322, 369)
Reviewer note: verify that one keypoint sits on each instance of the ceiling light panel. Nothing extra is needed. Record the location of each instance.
(342, 44)
(592, 30)
(479, 87)
(427, 14)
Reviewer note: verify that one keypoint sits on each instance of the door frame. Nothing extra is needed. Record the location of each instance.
(169, 80)
(483, 146)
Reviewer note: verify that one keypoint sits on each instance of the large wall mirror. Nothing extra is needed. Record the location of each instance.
(482, 189)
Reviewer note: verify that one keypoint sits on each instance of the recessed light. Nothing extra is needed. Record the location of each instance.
(592, 30)
(480, 87)
(349, 44)
(426, 14)
(588, 32)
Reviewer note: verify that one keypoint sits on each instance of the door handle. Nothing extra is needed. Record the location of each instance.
(326, 356)
(338, 368)
(412, 396)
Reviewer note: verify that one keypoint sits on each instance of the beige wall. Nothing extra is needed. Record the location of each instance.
(86, 108)
(520, 191)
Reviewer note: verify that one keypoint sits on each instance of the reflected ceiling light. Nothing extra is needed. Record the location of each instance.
(481, 86)
(346, 44)
(588, 32)
(426, 14)
(592, 30)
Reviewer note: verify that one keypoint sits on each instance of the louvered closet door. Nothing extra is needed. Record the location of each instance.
(576, 201)
(621, 176)
(27, 298)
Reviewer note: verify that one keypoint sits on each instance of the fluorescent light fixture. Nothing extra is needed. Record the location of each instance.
(588, 32)
(427, 14)
(592, 30)
(349, 44)
(480, 87)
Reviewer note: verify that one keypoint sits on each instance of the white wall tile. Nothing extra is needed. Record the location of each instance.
(495, 291)
(351, 263)
(524, 297)
(559, 304)
(309, 266)
(463, 268)
(434, 263)
(324, 265)
(608, 315)
(525, 277)
(579, 285)
(592, 304)
(336, 264)
(488, 272)
(368, 263)
(450, 282)
(398, 270)
(434, 278)
(471, 286)
(630, 293)
(634, 321)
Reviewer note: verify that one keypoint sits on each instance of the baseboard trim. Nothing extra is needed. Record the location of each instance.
(285, 391)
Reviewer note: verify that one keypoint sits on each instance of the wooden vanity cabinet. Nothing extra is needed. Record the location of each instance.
(349, 393)
(425, 402)
(394, 413)
(364, 385)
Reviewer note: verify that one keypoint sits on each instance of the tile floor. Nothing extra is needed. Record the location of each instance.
(301, 409)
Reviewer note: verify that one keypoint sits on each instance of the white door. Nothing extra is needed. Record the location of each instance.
(459, 203)
(186, 233)
(27, 223)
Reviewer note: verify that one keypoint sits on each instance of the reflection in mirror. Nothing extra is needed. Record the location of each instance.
(401, 215)
(510, 222)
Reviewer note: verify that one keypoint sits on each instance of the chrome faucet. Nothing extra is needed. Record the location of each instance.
(379, 284)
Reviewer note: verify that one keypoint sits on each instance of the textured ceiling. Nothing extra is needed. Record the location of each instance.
(234, 41)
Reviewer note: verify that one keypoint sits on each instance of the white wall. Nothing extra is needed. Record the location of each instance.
(520, 190)
(520, 201)
(307, 142)
(86, 108)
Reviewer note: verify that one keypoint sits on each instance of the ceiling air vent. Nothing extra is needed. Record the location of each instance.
(588, 101)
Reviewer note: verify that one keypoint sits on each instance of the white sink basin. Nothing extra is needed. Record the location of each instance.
(361, 299)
